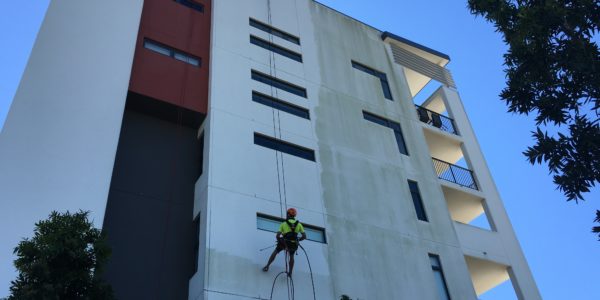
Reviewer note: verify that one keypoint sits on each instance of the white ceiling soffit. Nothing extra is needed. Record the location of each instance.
(421, 64)
(486, 275)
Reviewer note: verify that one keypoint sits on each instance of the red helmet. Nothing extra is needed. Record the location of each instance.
(291, 212)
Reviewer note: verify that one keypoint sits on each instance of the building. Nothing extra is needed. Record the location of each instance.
(187, 127)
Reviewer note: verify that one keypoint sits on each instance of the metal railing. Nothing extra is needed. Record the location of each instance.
(453, 173)
(432, 118)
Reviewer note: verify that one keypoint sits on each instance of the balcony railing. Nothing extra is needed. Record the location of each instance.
(453, 173)
(432, 118)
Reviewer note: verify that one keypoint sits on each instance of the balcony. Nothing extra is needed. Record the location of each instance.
(453, 173)
(468, 208)
(436, 120)
(488, 275)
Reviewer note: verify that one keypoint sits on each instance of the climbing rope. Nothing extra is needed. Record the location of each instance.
(311, 273)
(290, 291)
(282, 204)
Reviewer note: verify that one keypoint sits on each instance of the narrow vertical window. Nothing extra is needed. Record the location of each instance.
(201, 154)
(399, 137)
(395, 126)
(417, 201)
(440, 280)
(385, 86)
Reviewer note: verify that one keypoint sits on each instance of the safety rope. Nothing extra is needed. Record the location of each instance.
(289, 281)
(273, 286)
(311, 273)
(277, 123)
(271, 62)
(287, 270)
(282, 204)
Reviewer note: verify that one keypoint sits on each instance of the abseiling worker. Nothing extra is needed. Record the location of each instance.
(287, 238)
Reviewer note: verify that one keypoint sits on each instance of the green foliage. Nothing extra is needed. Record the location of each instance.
(63, 260)
(553, 72)
(596, 229)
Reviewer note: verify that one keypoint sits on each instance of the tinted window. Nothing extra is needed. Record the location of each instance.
(275, 48)
(278, 83)
(280, 105)
(270, 223)
(192, 4)
(382, 78)
(274, 31)
(438, 274)
(171, 52)
(395, 126)
(285, 147)
(417, 201)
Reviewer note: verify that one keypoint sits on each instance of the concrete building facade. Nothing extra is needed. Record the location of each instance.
(192, 128)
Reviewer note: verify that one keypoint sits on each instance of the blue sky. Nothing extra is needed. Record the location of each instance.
(555, 235)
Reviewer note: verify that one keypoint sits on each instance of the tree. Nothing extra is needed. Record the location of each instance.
(596, 229)
(553, 72)
(63, 260)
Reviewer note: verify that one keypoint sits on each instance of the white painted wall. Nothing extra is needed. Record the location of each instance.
(356, 189)
(59, 141)
(501, 246)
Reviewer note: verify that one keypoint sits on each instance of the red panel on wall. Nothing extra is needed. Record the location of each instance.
(165, 78)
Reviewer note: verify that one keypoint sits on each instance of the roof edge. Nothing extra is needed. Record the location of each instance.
(387, 34)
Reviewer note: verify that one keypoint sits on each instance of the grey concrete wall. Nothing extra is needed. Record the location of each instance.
(357, 189)
(58, 144)
(376, 235)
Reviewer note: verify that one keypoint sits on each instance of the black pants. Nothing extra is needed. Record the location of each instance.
(290, 246)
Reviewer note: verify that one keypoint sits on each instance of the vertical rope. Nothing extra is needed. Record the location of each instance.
(277, 129)
(273, 91)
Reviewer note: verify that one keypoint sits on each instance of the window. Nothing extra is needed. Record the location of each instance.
(196, 239)
(201, 154)
(389, 124)
(168, 51)
(278, 83)
(274, 31)
(280, 105)
(270, 223)
(192, 4)
(417, 201)
(438, 273)
(285, 147)
(275, 48)
(385, 86)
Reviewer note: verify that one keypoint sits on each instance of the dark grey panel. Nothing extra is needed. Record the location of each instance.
(163, 110)
(387, 34)
(149, 221)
